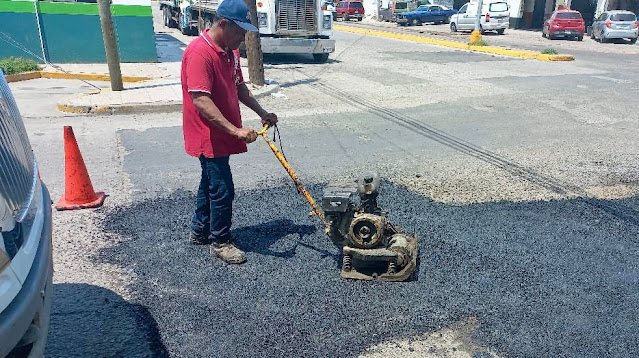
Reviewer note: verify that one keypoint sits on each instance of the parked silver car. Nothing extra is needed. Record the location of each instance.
(617, 24)
(26, 262)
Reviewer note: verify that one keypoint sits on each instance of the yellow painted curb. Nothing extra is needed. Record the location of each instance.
(459, 45)
(23, 76)
(122, 109)
(69, 76)
(88, 76)
(72, 109)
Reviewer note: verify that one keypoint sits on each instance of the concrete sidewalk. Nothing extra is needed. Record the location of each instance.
(162, 95)
(149, 70)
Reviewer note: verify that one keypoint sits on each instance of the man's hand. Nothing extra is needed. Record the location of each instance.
(270, 119)
(246, 134)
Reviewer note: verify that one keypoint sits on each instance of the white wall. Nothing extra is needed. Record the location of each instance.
(370, 8)
(516, 8)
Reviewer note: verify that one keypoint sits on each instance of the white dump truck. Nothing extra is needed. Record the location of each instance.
(286, 26)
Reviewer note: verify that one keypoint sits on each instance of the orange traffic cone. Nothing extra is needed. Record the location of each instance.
(78, 190)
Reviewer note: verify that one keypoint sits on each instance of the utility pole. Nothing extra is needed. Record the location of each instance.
(110, 45)
(475, 36)
(254, 49)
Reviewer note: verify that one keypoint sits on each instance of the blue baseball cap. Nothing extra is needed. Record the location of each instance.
(238, 12)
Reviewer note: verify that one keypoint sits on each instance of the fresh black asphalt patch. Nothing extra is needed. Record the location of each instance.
(543, 279)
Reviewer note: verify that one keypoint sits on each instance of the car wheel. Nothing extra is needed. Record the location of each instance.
(580, 38)
(346, 18)
(360, 18)
(453, 27)
(633, 41)
(415, 22)
(501, 31)
(320, 57)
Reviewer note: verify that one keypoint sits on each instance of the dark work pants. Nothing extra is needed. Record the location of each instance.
(214, 203)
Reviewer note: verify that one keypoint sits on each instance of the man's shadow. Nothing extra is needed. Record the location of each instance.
(262, 237)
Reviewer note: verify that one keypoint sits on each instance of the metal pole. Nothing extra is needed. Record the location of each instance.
(37, 15)
(110, 45)
(480, 5)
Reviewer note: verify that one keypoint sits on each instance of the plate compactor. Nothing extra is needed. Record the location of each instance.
(372, 248)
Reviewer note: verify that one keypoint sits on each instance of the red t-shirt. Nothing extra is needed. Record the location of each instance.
(208, 68)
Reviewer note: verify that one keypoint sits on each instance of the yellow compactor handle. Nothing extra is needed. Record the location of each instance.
(316, 209)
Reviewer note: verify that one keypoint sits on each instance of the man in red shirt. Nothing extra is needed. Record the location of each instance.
(212, 87)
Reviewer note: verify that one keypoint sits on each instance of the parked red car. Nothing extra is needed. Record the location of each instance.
(566, 24)
(350, 10)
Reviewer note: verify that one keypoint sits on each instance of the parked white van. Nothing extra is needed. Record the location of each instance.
(26, 257)
(495, 16)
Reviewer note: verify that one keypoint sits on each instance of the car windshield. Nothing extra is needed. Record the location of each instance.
(498, 6)
(356, 5)
(623, 17)
(422, 8)
(568, 15)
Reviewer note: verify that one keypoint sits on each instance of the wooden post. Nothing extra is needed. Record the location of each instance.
(110, 45)
(254, 49)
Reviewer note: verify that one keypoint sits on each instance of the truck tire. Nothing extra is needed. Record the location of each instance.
(320, 57)
(501, 31)
(453, 27)
(168, 20)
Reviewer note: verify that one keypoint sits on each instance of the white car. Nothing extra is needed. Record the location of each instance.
(495, 16)
(26, 261)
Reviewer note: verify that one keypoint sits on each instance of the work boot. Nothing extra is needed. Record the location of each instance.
(200, 239)
(228, 253)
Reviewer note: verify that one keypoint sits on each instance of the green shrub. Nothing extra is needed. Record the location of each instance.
(13, 65)
(549, 51)
(478, 43)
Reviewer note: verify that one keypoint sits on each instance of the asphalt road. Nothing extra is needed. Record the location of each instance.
(519, 176)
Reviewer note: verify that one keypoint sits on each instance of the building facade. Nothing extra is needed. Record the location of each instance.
(70, 32)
